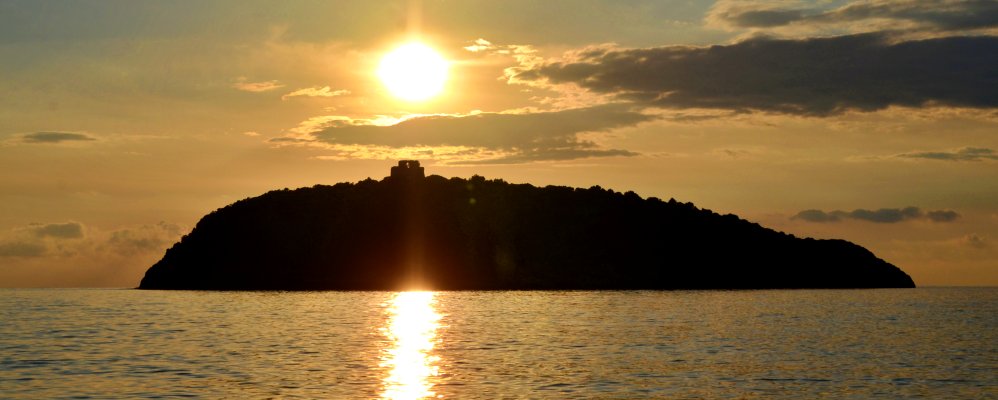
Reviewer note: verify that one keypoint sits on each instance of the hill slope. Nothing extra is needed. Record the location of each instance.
(488, 234)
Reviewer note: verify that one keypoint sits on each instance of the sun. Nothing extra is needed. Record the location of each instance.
(413, 72)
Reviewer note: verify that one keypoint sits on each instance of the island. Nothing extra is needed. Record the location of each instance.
(411, 231)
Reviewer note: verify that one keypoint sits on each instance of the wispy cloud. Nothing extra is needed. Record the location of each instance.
(964, 154)
(324, 91)
(499, 137)
(256, 87)
(142, 239)
(883, 215)
(976, 241)
(56, 137)
(480, 45)
(521, 53)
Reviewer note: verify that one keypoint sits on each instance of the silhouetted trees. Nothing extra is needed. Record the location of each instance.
(488, 234)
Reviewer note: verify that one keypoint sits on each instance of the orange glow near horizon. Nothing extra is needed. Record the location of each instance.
(412, 332)
(413, 72)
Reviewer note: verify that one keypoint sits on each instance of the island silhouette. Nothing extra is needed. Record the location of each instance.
(411, 231)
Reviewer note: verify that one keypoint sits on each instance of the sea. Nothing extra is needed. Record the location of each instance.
(931, 343)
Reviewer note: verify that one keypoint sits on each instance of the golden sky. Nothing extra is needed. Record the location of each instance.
(122, 123)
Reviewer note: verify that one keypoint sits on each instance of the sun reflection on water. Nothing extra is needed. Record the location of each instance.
(412, 332)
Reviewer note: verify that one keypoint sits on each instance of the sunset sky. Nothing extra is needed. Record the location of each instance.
(123, 122)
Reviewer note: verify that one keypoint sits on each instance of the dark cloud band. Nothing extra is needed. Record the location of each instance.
(817, 76)
(55, 137)
(883, 215)
(947, 15)
(964, 154)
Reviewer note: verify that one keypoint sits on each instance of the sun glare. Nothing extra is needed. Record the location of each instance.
(413, 72)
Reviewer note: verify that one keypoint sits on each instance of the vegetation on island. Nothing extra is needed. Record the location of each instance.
(439, 233)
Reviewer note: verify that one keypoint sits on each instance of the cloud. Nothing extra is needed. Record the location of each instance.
(976, 241)
(964, 154)
(256, 87)
(521, 53)
(485, 137)
(69, 240)
(22, 249)
(942, 215)
(69, 230)
(939, 15)
(324, 91)
(757, 17)
(480, 45)
(815, 76)
(55, 137)
(883, 215)
(34, 240)
(143, 239)
(740, 153)
(818, 216)
(548, 154)
(886, 215)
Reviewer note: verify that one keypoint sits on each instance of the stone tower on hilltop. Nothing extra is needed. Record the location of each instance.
(408, 169)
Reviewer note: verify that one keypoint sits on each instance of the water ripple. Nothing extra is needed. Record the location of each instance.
(930, 343)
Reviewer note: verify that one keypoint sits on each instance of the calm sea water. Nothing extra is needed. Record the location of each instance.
(930, 343)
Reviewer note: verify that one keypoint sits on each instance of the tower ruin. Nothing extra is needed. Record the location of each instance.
(408, 169)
